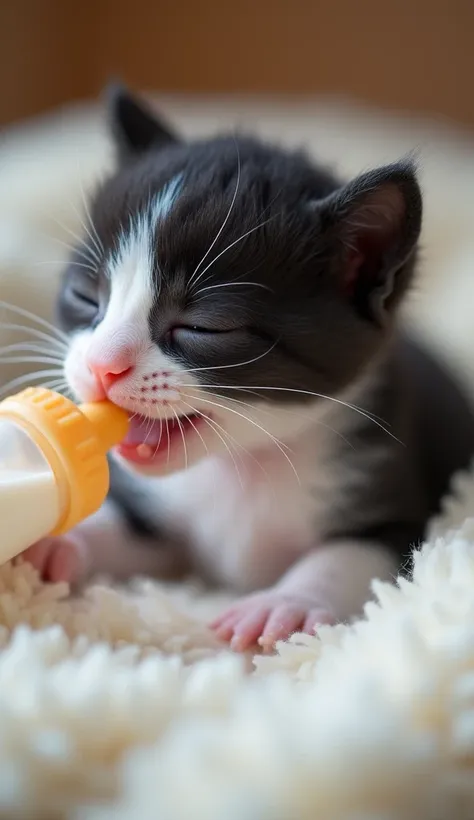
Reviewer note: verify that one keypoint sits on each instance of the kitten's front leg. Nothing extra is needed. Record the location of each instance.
(329, 585)
(103, 545)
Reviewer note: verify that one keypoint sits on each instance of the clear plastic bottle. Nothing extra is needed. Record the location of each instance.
(53, 464)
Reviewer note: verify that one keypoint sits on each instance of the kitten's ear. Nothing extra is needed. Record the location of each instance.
(375, 222)
(134, 127)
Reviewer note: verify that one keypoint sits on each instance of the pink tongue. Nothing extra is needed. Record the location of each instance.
(142, 429)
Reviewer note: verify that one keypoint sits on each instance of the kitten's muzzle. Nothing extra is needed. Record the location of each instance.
(108, 373)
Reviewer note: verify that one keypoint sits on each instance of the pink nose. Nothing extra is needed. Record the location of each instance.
(109, 372)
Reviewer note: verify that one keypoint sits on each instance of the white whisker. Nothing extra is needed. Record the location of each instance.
(38, 334)
(92, 270)
(61, 387)
(195, 413)
(340, 402)
(206, 450)
(84, 252)
(226, 366)
(213, 425)
(168, 435)
(275, 441)
(61, 381)
(183, 437)
(247, 273)
(159, 441)
(226, 219)
(295, 413)
(236, 444)
(30, 347)
(143, 421)
(232, 410)
(91, 252)
(150, 428)
(26, 379)
(232, 244)
(34, 318)
(31, 360)
(94, 236)
(225, 435)
(231, 285)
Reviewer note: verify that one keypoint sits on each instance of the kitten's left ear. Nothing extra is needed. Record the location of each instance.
(375, 223)
(134, 127)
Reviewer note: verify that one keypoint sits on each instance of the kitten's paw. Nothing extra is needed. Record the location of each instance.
(58, 559)
(270, 616)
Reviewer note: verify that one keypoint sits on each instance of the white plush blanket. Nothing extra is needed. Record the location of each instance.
(122, 704)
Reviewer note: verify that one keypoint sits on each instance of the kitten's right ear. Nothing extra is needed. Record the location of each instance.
(134, 127)
(372, 225)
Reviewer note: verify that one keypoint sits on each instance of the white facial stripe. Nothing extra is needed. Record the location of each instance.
(137, 239)
(131, 293)
(130, 272)
(165, 199)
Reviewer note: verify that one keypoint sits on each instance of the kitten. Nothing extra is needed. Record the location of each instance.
(241, 303)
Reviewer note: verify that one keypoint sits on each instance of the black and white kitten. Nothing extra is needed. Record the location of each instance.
(240, 302)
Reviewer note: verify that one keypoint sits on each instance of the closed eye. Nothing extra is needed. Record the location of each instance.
(189, 333)
(83, 293)
(201, 329)
(87, 298)
(180, 336)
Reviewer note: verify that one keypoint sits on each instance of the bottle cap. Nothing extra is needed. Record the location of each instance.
(75, 441)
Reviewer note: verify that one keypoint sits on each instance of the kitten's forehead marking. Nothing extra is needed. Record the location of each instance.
(136, 240)
(130, 267)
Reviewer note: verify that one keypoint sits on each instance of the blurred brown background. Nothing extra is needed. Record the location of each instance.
(414, 55)
(358, 83)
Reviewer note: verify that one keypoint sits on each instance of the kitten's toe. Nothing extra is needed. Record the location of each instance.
(285, 618)
(316, 618)
(267, 617)
(57, 559)
(248, 627)
(37, 555)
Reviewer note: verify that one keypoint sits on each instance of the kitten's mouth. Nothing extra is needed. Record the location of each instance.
(151, 441)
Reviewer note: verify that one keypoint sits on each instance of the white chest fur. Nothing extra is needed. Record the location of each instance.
(246, 521)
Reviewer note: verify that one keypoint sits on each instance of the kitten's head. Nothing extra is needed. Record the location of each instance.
(223, 282)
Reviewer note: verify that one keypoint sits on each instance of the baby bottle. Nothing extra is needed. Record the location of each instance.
(53, 464)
